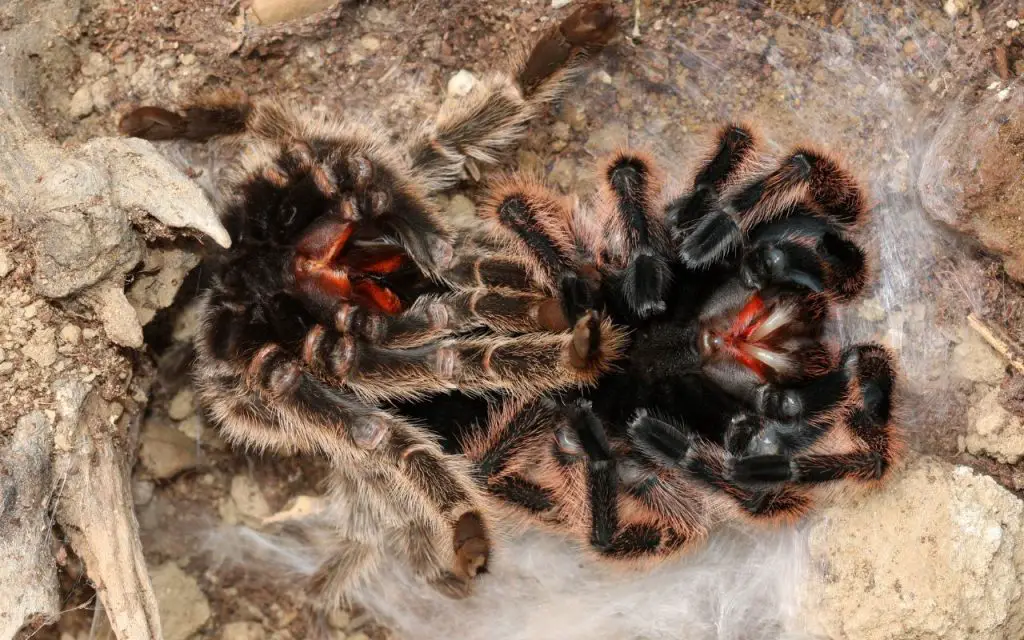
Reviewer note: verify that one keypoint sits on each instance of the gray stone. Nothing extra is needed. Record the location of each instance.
(146, 181)
(164, 271)
(95, 65)
(462, 211)
(79, 236)
(120, 321)
(100, 92)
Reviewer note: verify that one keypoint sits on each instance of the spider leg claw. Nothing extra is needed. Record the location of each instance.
(586, 338)
(472, 549)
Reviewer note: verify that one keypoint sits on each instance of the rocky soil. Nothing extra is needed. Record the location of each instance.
(924, 97)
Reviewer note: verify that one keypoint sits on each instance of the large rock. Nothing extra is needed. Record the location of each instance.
(937, 555)
(84, 218)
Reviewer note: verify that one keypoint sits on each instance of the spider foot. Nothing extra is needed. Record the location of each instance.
(586, 340)
(472, 549)
(645, 283)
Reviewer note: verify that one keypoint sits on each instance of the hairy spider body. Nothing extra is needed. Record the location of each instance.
(729, 400)
(342, 293)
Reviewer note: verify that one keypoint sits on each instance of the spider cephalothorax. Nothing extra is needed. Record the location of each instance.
(728, 400)
(342, 293)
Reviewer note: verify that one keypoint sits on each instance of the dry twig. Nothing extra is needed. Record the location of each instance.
(998, 341)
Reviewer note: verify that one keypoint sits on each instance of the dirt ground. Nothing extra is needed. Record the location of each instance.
(868, 79)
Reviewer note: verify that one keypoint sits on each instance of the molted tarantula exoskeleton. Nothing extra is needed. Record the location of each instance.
(342, 294)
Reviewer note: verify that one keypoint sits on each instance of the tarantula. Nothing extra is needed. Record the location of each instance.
(343, 292)
(629, 373)
(726, 398)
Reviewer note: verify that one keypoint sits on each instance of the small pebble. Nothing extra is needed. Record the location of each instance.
(243, 631)
(89, 334)
(192, 427)
(81, 103)
(5, 263)
(3, 355)
(370, 43)
(71, 334)
(954, 8)
(182, 405)
(100, 92)
(558, 4)
(6, 368)
(95, 64)
(461, 84)
(339, 619)
(1012, 24)
(30, 311)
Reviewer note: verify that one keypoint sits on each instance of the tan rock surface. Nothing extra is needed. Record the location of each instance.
(938, 555)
